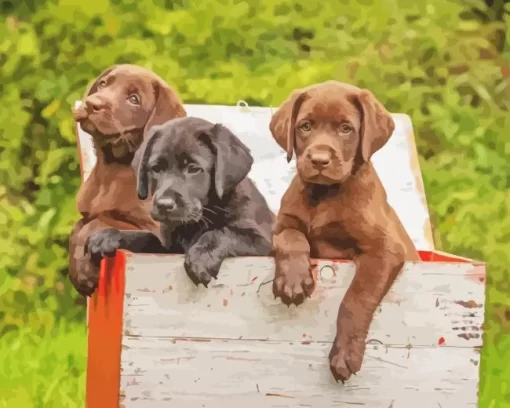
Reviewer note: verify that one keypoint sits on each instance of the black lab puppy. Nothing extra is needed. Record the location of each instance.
(206, 205)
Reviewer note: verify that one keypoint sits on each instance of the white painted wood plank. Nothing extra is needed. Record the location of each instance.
(396, 163)
(230, 374)
(428, 301)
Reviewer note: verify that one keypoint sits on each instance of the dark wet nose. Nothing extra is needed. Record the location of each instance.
(95, 104)
(320, 160)
(166, 205)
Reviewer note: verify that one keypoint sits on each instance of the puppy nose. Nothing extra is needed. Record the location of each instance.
(94, 104)
(320, 160)
(166, 205)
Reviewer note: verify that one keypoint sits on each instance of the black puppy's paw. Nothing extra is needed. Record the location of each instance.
(103, 243)
(201, 267)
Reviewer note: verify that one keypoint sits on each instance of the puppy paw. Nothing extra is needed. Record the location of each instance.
(345, 357)
(103, 243)
(201, 268)
(293, 281)
(86, 277)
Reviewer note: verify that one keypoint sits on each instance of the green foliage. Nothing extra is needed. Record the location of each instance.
(43, 372)
(432, 60)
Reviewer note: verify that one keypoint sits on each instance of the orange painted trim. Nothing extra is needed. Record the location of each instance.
(105, 323)
(436, 256)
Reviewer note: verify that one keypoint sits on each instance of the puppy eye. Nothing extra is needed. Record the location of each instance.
(345, 128)
(193, 168)
(306, 126)
(134, 99)
(157, 168)
(101, 84)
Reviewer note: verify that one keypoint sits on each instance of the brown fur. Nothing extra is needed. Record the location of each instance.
(118, 109)
(336, 207)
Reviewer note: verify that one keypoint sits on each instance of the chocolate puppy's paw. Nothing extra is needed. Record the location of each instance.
(201, 267)
(86, 277)
(346, 356)
(103, 243)
(293, 281)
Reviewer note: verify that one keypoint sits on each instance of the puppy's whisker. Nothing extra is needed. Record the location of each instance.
(211, 211)
(206, 219)
(221, 209)
(131, 144)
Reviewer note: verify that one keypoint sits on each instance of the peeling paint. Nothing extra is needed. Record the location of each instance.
(470, 304)
(468, 336)
(270, 394)
(146, 290)
(241, 359)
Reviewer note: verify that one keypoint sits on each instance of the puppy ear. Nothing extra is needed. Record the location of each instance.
(167, 106)
(233, 159)
(143, 167)
(284, 120)
(93, 86)
(377, 125)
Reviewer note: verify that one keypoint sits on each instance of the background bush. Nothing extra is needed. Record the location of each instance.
(445, 63)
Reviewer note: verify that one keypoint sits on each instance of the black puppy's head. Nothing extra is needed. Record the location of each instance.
(187, 161)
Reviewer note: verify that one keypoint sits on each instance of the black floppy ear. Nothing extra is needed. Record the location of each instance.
(93, 86)
(145, 152)
(233, 159)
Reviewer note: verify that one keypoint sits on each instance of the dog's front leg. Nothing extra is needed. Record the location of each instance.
(204, 257)
(375, 273)
(293, 280)
(83, 272)
(105, 242)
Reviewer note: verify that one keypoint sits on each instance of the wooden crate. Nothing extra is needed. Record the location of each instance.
(156, 340)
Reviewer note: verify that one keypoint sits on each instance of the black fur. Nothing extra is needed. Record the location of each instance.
(208, 208)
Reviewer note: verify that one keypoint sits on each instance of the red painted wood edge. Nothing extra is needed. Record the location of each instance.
(106, 307)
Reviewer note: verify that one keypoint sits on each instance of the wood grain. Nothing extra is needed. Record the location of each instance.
(430, 300)
(240, 373)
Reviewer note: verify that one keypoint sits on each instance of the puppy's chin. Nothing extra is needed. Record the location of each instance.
(181, 218)
(325, 177)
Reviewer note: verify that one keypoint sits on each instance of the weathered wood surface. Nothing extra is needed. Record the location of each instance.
(234, 345)
(396, 163)
(428, 301)
(242, 373)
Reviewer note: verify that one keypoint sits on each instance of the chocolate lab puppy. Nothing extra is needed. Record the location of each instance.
(117, 111)
(336, 207)
(208, 208)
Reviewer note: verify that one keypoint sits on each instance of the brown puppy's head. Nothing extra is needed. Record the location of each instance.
(122, 104)
(333, 128)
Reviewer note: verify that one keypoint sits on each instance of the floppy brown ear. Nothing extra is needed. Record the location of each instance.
(233, 159)
(377, 125)
(93, 86)
(284, 120)
(167, 106)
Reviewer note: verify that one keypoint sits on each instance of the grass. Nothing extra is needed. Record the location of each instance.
(43, 372)
(495, 367)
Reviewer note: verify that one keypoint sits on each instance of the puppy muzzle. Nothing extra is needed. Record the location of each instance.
(320, 165)
(170, 209)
